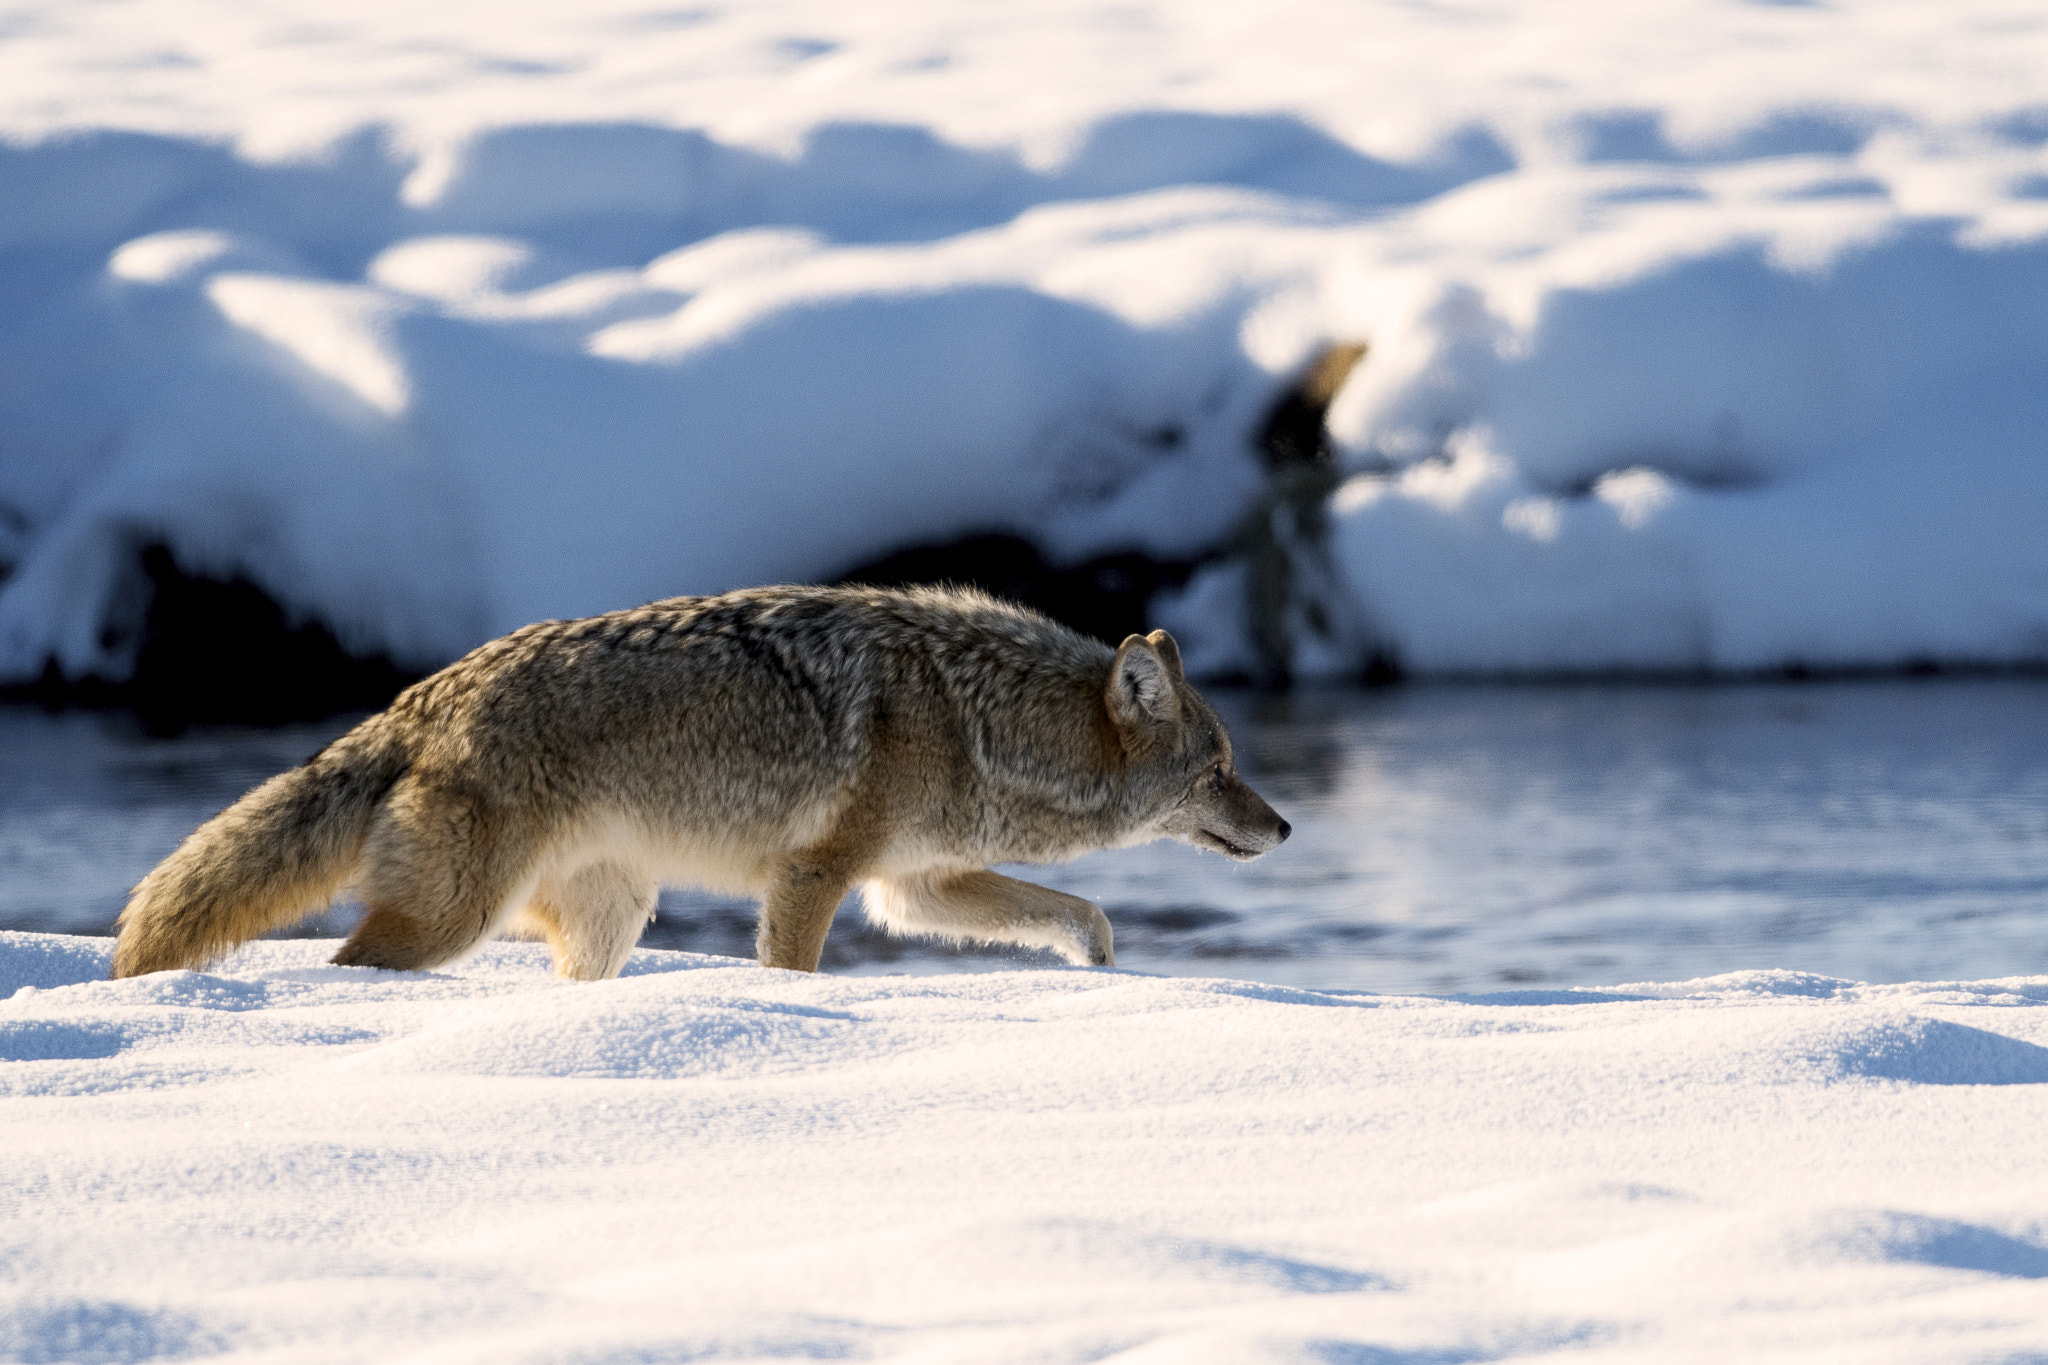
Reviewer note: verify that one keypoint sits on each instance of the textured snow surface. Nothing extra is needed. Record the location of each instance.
(1706, 334)
(704, 1160)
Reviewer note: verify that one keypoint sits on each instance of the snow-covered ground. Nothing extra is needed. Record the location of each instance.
(705, 1160)
(1705, 334)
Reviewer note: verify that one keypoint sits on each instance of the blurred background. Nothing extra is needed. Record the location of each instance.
(1594, 451)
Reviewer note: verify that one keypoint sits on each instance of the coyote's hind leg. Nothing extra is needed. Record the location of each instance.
(440, 871)
(993, 909)
(593, 919)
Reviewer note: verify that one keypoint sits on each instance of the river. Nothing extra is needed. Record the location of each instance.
(1448, 838)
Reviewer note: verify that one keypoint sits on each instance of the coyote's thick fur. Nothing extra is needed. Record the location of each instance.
(787, 742)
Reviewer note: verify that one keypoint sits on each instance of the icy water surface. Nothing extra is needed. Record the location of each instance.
(1446, 838)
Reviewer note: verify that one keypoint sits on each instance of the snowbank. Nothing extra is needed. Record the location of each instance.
(1766, 451)
(704, 1160)
(1704, 337)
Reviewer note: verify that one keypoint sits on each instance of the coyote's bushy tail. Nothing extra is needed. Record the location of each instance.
(273, 857)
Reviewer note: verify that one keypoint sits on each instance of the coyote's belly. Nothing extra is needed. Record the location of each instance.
(738, 862)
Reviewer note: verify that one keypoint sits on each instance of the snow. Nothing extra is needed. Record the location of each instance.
(707, 1160)
(1705, 334)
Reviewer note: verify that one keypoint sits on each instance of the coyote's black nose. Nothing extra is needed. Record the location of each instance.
(1285, 830)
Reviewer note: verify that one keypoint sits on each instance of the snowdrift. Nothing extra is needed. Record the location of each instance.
(1680, 362)
(707, 1160)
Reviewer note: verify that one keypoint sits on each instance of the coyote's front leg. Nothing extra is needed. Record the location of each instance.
(993, 909)
(796, 914)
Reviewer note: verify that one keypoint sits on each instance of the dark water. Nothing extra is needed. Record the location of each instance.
(1447, 838)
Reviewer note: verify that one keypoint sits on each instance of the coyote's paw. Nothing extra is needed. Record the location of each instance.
(1096, 945)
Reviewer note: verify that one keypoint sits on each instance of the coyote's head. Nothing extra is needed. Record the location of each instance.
(1180, 754)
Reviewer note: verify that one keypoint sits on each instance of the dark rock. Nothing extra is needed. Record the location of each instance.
(223, 651)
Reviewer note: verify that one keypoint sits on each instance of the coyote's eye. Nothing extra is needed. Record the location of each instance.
(1217, 772)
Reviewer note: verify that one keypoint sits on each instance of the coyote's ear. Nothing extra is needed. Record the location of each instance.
(1141, 685)
(1169, 654)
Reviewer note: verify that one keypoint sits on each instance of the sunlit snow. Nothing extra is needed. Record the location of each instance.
(1705, 335)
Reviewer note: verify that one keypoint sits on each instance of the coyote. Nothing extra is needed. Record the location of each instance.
(789, 742)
